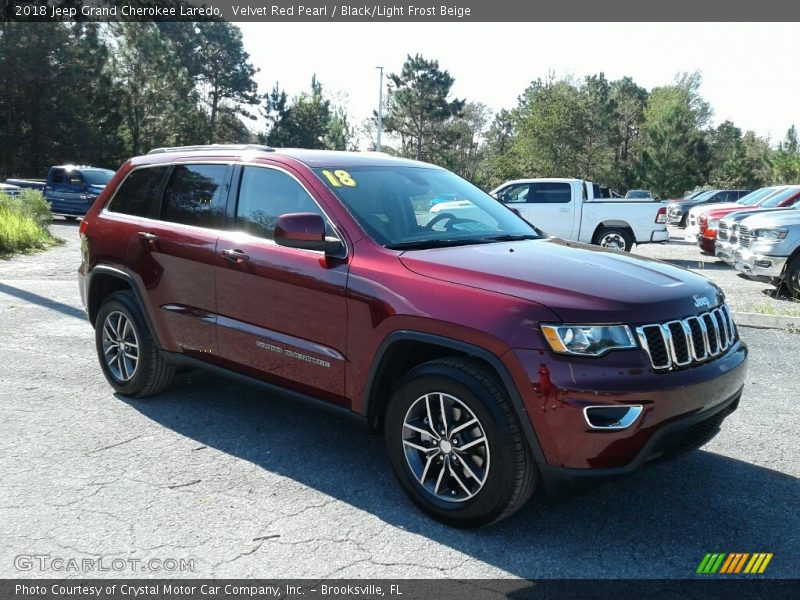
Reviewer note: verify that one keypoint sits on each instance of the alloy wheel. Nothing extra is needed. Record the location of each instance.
(445, 447)
(120, 346)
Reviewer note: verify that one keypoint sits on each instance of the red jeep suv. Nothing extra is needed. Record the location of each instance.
(496, 359)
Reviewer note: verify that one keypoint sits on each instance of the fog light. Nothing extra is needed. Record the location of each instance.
(764, 264)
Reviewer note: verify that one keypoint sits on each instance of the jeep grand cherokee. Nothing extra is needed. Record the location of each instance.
(496, 359)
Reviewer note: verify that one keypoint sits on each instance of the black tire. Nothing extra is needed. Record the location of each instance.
(615, 238)
(150, 373)
(683, 220)
(71, 218)
(504, 460)
(791, 278)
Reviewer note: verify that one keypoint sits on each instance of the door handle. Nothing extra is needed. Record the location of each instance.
(148, 239)
(235, 255)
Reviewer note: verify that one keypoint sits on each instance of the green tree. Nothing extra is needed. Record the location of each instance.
(674, 155)
(222, 71)
(155, 92)
(786, 159)
(418, 107)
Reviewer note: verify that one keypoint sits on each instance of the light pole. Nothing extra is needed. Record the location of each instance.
(380, 110)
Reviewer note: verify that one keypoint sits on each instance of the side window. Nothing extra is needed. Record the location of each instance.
(515, 194)
(138, 194)
(266, 194)
(551, 193)
(194, 195)
(75, 178)
(58, 176)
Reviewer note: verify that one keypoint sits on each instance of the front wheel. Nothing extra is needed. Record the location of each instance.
(455, 444)
(614, 238)
(792, 278)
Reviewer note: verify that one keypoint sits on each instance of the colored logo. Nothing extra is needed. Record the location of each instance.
(734, 562)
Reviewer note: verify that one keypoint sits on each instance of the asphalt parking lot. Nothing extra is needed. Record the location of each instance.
(247, 485)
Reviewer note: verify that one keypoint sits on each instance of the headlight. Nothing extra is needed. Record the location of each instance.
(588, 340)
(713, 224)
(771, 235)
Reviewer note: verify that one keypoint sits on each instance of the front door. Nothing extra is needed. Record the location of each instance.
(282, 312)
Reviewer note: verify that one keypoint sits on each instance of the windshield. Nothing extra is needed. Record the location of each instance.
(418, 207)
(705, 195)
(776, 199)
(757, 196)
(97, 176)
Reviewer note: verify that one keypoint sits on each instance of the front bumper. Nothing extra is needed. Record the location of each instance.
(724, 251)
(758, 265)
(682, 435)
(675, 217)
(560, 389)
(706, 242)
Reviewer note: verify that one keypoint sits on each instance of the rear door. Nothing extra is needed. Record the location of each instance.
(282, 311)
(174, 255)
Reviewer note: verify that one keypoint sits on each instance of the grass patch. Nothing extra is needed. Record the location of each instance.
(788, 308)
(23, 223)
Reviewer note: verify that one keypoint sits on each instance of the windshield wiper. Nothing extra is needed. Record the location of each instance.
(511, 237)
(438, 243)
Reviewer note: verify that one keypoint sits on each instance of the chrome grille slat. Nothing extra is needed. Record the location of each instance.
(688, 341)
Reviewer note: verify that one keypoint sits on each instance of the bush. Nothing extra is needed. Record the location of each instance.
(23, 222)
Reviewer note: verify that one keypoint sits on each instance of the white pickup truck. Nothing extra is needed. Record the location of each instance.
(568, 208)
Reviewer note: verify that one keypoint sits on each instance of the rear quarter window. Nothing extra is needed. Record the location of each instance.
(138, 194)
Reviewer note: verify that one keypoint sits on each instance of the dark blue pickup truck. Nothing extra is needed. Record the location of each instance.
(70, 189)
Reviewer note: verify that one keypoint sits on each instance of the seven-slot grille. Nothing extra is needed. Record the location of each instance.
(688, 341)
(746, 236)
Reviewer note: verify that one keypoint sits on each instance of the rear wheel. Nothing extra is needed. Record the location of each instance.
(71, 218)
(615, 238)
(455, 444)
(126, 349)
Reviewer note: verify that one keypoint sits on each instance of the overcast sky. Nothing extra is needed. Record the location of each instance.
(751, 71)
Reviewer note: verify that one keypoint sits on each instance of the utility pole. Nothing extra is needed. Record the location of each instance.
(380, 110)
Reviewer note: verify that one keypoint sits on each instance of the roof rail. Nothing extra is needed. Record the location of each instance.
(213, 147)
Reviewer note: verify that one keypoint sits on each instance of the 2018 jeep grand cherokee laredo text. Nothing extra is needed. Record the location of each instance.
(495, 358)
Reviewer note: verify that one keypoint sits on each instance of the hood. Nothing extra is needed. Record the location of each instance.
(714, 206)
(740, 215)
(580, 283)
(789, 216)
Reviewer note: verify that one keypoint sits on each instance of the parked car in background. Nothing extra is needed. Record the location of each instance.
(692, 223)
(9, 190)
(495, 360)
(679, 211)
(72, 189)
(31, 184)
(567, 208)
(709, 220)
(769, 249)
(728, 229)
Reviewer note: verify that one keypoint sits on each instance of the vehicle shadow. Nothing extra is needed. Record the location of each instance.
(677, 510)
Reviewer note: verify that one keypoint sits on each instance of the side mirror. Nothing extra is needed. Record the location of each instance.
(305, 231)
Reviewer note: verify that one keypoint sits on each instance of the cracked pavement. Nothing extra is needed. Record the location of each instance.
(248, 485)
